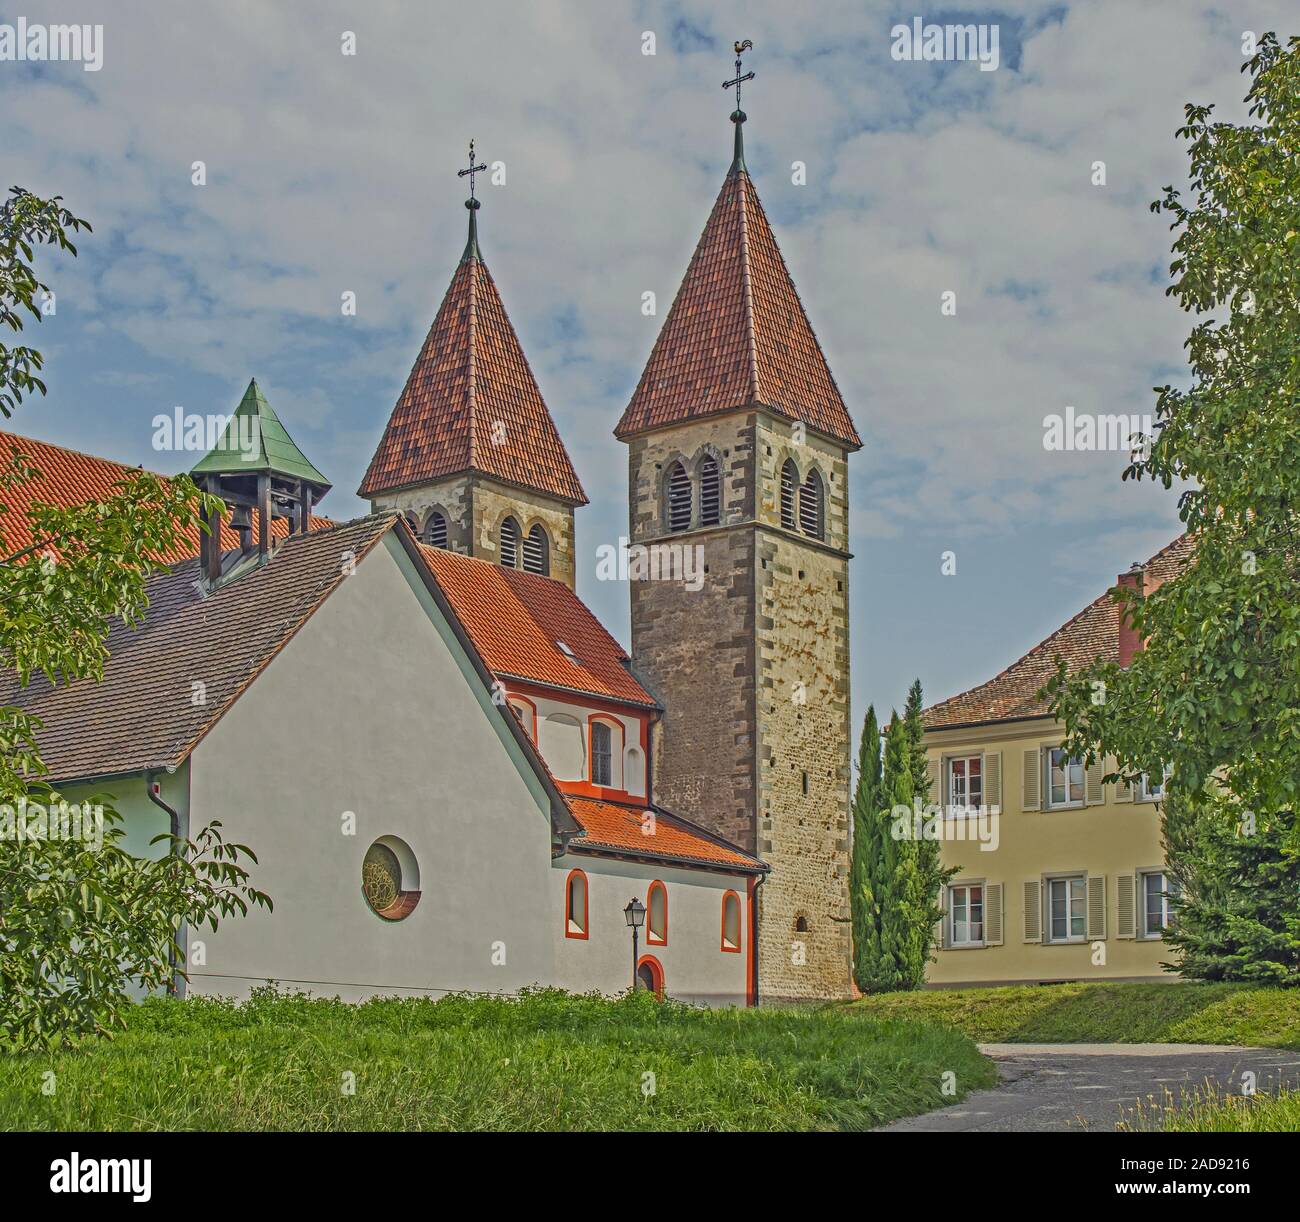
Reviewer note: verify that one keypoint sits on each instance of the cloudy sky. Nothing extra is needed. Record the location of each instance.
(329, 173)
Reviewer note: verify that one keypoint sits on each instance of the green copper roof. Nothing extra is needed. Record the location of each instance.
(254, 441)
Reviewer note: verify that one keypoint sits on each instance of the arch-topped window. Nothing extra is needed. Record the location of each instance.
(789, 491)
(731, 922)
(710, 491)
(509, 543)
(575, 905)
(810, 505)
(602, 753)
(537, 551)
(679, 497)
(435, 529)
(656, 917)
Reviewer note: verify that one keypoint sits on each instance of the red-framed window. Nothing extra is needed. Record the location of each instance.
(575, 905)
(650, 975)
(605, 752)
(656, 915)
(731, 923)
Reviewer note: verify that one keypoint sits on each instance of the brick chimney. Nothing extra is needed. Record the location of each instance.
(1129, 641)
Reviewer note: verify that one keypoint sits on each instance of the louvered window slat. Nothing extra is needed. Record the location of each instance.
(435, 530)
(710, 492)
(789, 487)
(537, 552)
(1096, 906)
(810, 506)
(679, 498)
(510, 543)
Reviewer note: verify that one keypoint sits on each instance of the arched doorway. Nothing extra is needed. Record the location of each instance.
(650, 975)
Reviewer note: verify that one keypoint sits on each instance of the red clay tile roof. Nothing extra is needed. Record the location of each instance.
(515, 620)
(68, 478)
(737, 334)
(471, 403)
(143, 715)
(1092, 634)
(620, 829)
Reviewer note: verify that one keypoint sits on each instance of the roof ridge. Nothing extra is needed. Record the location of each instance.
(112, 462)
(471, 372)
(1103, 597)
(747, 284)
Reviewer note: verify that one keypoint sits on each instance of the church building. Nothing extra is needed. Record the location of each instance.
(453, 776)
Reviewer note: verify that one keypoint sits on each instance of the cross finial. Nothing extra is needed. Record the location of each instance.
(738, 115)
(738, 79)
(471, 246)
(473, 169)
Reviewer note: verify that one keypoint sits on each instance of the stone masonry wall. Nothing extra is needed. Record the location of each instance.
(474, 507)
(753, 671)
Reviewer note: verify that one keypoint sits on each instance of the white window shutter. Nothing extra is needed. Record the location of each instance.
(993, 914)
(1096, 907)
(935, 765)
(1033, 780)
(941, 926)
(1125, 906)
(1123, 790)
(1033, 910)
(992, 778)
(1094, 788)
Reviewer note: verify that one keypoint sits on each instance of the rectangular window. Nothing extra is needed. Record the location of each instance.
(602, 754)
(1151, 789)
(965, 782)
(1064, 779)
(1067, 910)
(966, 914)
(1156, 890)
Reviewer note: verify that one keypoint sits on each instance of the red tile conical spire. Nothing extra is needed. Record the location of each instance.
(737, 335)
(471, 402)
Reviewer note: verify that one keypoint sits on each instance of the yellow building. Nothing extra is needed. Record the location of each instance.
(1060, 874)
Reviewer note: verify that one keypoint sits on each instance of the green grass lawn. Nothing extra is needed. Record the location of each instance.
(1104, 1013)
(546, 1061)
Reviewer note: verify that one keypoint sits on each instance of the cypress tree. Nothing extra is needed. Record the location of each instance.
(888, 879)
(916, 740)
(865, 814)
(931, 877)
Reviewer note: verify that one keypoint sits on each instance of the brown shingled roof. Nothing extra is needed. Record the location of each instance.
(1092, 634)
(737, 334)
(68, 477)
(143, 715)
(471, 403)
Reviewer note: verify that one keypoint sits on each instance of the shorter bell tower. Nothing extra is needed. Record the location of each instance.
(471, 455)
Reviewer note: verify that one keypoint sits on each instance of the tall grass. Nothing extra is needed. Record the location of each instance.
(546, 1061)
(1205, 1110)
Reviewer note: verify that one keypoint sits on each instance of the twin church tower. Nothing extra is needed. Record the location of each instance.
(737, 441)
